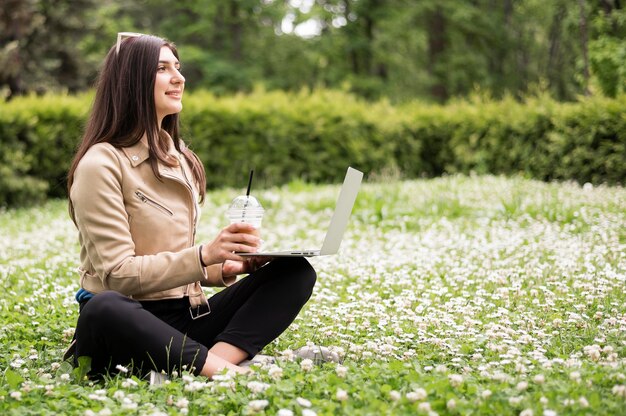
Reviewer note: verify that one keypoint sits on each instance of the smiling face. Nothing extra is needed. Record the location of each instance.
(168, 86)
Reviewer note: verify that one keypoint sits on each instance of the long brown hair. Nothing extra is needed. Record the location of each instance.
(124, 110)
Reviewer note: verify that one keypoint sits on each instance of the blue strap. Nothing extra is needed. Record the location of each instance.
(83, 295)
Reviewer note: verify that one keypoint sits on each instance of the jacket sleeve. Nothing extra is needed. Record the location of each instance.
(104, 229)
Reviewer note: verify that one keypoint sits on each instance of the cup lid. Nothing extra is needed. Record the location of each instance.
(247, 202)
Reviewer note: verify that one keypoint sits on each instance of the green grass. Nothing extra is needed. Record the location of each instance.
(457, 295)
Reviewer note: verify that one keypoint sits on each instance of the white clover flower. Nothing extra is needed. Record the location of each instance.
(593, 351)
(308, 412)
(275, 372)
(455, 380)
(583, 402)
(303, 402)
(222, 377)
(287, 354)
(515, 400)
(548, 412)
(182, 403)
(257, 387)
(424, 407)
(526, 412)
(575, 376)
(65, 377)
(105, 412)
(129, 382)
(539, 379)
(195, 386)
(187, 378)
(258, 405)
(119, 395)
(543, 400)
(306, 364)
(284, 412)
(451, 404)
(395, 395)
(521, 386)
(341, 371)
(121, 369)
(485, 394)
(89, 412)
(341, 395)
(619, 390)
(412, 396)
(17, 395)
(55, 366)
(128, 404)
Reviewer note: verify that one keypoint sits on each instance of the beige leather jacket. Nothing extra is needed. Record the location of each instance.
(137, 232)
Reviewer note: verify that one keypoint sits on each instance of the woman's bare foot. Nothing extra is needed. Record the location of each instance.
(214, 364)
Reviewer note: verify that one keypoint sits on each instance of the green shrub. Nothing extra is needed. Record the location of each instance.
(38, 136)
(313, 136)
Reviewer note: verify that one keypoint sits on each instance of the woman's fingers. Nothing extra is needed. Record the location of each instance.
(242, 227)
(232, 239)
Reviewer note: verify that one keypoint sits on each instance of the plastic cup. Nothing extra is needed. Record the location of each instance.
(246, 208)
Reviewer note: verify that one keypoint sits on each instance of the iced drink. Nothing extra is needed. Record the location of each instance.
(246, 208)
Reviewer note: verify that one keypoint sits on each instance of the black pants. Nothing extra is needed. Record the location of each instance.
(161, 335)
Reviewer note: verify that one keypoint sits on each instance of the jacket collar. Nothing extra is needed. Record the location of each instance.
(139, 152)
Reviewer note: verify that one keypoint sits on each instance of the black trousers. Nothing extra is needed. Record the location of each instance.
(161, 335)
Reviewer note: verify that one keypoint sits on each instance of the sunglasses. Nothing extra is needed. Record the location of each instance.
(124, 35)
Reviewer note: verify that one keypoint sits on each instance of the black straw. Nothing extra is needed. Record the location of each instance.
(250, 182)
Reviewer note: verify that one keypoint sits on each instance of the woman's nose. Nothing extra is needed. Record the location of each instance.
(178, 78)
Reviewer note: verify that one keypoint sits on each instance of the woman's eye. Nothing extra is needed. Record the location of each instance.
(161, 68)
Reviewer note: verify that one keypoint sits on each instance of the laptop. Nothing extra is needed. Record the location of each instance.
(338, 223)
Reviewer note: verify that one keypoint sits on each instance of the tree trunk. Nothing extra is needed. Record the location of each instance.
(437, 44)
(555, 56)
(584, 38)
(16, 17)
(217, 40)
(235, 29)
(353, 53)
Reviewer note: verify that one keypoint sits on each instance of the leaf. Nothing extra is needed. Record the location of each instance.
(84, 367)
(13, 379)
(285, 386)
(65, 368)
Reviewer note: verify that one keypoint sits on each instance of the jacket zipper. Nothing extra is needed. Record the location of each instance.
(186, 184)
(153, 203)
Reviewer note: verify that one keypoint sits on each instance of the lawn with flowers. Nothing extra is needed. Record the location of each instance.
(456, 295)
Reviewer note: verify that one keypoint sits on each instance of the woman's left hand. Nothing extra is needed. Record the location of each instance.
(233, 268)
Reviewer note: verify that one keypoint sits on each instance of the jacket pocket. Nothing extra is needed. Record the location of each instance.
(149, 201)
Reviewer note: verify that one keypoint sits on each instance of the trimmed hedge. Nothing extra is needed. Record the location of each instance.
(314, 136)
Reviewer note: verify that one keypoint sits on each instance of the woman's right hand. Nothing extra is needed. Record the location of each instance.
(237, 237)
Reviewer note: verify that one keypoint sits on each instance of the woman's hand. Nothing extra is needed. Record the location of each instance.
(249, 265)
(237, 237)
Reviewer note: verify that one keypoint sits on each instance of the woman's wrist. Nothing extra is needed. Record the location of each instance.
(201, 259)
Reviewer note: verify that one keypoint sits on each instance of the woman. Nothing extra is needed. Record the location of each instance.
(134, 192)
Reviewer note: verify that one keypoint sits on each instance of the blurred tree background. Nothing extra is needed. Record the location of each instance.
(431, 50)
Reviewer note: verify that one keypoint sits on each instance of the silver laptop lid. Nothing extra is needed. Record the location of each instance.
(343, 209)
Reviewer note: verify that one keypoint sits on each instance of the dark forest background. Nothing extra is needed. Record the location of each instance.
(431, 50)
